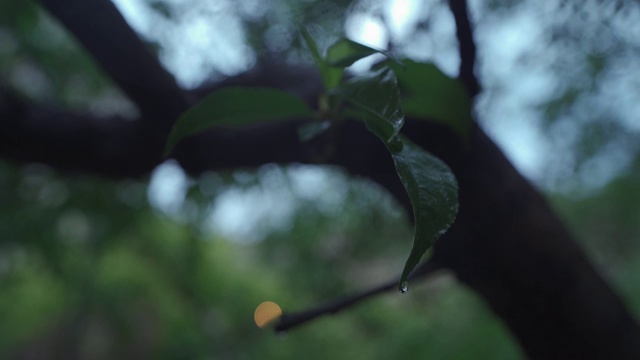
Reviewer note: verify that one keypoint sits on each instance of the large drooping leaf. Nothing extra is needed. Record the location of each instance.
(433, 191)
(430, 94)
(237, 107)
(430, 184)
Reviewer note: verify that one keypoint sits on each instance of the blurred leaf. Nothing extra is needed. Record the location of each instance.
(428, 93)
(313, 46)
(331, 76)
(433, 191)
(376, 100)
(345, 52)
(309, 131)
(22, 15)
(237, 107)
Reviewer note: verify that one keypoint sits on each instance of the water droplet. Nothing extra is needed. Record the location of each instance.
(404, 287)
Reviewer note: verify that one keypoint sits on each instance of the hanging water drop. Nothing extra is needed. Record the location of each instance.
(404, 287)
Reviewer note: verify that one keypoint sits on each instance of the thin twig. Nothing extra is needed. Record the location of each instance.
(467, 46)
(292, 320)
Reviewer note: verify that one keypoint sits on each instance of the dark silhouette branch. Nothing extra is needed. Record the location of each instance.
(294, 320)
(104, 33)
(466, 46)
(113, 147)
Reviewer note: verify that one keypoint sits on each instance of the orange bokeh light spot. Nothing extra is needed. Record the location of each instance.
(266, 312)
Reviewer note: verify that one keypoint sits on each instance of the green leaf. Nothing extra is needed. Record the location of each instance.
(430, 184)
(312, 45)
(345, 52)
(433, 191)
(376, 100)
(331, 76)
(310, 130)
(429, 94)
(237, 107)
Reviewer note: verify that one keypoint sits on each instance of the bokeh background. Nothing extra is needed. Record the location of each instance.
(173, 266)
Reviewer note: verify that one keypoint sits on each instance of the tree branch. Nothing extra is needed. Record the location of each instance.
(467, 46)
(113, 147)
(293, 320)
(107, 37)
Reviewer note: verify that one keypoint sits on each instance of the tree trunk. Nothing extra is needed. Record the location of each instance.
(508, 245)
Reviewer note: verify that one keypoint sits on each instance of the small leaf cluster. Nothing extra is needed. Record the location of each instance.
(374, 98)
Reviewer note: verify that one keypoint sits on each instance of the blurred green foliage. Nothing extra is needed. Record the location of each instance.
(89, 263)
(39, 60)
(608, 223)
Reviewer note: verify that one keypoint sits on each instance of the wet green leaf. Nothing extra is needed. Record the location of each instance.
(429, 182)
(237, 107)
(433, 191)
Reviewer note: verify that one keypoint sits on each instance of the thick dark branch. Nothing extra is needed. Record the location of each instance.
(107, 37)
(114, 147)
(293, 320)
(119, 148)
(467, 46)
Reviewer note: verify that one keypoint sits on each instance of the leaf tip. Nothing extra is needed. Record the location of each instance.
(403, 286)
